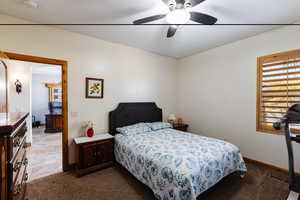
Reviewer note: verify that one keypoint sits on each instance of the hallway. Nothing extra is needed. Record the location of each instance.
(45, 154)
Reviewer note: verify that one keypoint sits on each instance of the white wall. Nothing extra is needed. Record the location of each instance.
(214, 91)
(129, 74)
(40, 94)
(18, 70)
(218, 94)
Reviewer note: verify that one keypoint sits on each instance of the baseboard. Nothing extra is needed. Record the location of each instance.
(273, 167)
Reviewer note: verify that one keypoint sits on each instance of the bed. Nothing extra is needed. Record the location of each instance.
(176, 165)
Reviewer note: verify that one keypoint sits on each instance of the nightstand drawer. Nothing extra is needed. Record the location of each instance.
(90, 156)
(105, 151)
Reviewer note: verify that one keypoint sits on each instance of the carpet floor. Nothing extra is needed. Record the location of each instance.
(116, 183)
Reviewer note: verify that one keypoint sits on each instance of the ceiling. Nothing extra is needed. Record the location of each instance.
(188, 39)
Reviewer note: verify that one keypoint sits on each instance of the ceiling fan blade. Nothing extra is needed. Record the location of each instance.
(149, 19)
(196, 2)
(171, 31)
(203, 18)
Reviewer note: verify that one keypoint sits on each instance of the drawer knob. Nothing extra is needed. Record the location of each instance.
(26, 177)
(25, 162)
(16, 142)
(17, 166)
(18, 190)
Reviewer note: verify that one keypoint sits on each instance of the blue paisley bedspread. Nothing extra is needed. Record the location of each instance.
(177, 165)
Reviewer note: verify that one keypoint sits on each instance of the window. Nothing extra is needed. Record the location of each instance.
(278, 87)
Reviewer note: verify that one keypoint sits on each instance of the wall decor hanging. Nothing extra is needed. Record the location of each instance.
(94, 88)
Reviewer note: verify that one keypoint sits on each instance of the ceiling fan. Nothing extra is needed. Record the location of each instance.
(180, 14)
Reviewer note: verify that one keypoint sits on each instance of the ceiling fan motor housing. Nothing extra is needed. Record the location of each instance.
(182, 3)
(179, 4)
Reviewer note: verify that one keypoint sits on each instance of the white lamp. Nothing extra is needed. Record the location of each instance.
(171, 118)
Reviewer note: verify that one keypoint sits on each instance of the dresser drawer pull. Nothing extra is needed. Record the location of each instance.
(25, 177)
(25, 162)
(18, 190)
(17, 166)
(16, 142)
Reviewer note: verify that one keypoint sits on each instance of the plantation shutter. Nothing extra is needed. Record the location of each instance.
(278, 87)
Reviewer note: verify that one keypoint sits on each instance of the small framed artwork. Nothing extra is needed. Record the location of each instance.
(94, 88)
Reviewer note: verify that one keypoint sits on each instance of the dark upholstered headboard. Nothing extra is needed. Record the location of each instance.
(131, 113)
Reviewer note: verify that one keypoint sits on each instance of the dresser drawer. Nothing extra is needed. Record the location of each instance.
(17, 138)
(13, 156)
(19, 189)
(19, 161)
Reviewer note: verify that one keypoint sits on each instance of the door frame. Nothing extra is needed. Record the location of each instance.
(64, 77)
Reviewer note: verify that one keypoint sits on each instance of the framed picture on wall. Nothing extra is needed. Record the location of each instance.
(94, 88)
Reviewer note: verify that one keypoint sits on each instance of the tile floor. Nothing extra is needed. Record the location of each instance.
(45, 154)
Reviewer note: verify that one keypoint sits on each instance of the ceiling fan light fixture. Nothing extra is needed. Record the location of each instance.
(178, 16)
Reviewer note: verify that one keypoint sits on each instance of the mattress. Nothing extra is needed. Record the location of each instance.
(177, 165)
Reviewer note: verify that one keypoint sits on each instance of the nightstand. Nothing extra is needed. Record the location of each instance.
(94, 153)
(181, 127)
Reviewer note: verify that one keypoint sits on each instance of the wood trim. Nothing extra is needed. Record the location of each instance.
(275, 112)
(53, 85)
(64, 65)
(281, 74)
(258, 93)
(281, 101)
(263, 63)
(281, 56)
(279, 85)
(3, 55)
(273, 167)
(282, 79)
(279, 91)
(282, 68)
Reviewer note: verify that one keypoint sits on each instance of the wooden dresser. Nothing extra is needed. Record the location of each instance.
(13, 165)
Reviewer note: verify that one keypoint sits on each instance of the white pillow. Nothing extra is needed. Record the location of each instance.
(159, 125)
(134, 129)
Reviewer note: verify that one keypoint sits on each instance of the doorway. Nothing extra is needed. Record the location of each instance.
(64, 97)
(45, 152)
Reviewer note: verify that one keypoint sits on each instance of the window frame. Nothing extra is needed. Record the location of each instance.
(260, 61)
